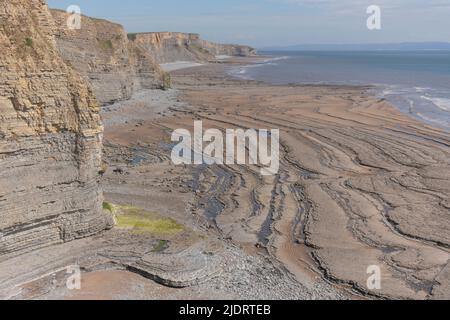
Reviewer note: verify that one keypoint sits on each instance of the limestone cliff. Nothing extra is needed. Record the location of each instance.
(102, 53)
(228, 49)
(50, 137)
(167, 47)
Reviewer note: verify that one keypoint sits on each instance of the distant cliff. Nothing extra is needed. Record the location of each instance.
(117, 65)
(102, 53)
(50, 137)
(228, 49)
(167, 47)
(50, 128)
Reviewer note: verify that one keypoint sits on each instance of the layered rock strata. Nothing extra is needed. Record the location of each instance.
(219, 49)
(50, 137)
(101, 52)
(166, 47)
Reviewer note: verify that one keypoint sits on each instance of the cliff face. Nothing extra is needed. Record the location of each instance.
(117, 65)
(102, 53)
(167, 47)
(228, 49)
(50, 137)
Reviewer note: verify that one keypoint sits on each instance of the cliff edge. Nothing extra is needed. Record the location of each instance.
(101, 52)
(50, 137)
(166, 47)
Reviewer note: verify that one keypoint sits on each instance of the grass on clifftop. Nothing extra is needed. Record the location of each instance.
(140, 221)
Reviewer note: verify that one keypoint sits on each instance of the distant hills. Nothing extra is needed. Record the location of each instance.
(406, 46)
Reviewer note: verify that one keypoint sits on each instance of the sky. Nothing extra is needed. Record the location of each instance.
(263, 23)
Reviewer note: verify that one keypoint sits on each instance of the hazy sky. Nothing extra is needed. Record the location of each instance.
(278, 22)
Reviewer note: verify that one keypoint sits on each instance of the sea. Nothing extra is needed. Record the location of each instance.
(416, 82)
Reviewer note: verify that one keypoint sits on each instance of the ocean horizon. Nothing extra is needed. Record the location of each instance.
(416, 82)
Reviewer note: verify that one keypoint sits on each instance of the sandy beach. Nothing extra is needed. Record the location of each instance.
(228, 158)
(172, 66)
(360, 184)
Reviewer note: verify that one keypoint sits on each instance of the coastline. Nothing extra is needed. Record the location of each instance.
(360, 184)
(360, 160)
(412, 100)
(178, 65)
(210, 94)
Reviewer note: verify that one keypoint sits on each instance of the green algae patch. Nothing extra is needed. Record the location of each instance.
(160, 246)
(140, 221)
(108, 206)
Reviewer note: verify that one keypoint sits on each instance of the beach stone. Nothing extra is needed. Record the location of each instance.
(188, 267)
